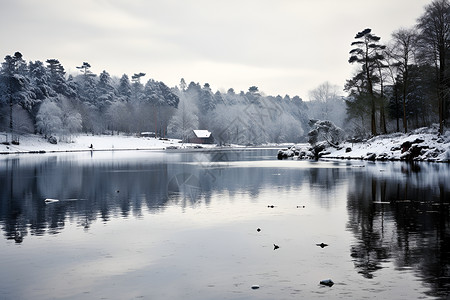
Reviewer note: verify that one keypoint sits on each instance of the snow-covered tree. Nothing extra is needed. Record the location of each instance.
(39, 81)
(48, 119)
(15, 85)
(71, 120)
(184, 120)
(119, 116)
(57, 79)
(105, 91)
(325, 131)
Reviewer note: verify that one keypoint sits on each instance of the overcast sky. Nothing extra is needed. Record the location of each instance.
(280, 46)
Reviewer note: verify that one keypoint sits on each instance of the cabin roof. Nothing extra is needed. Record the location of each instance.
(202, 134)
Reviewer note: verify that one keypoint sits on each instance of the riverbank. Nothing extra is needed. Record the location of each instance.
(30, 143)
(424, 144)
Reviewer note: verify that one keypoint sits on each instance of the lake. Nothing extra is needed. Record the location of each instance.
(184, 225)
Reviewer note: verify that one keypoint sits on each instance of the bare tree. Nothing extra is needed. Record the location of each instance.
(402, 53)
(326, 103)
(434, 37)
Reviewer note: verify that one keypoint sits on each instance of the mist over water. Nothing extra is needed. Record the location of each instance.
(158, 225)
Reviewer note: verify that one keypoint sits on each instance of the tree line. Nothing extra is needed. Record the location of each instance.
(396, 87)
(404, 82)
(39, 97)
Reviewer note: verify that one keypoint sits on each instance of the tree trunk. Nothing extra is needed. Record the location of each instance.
(397, 109)
(441, 95)
(405, 122)
(382, 113)
(373, 125)
(10, 114)
(382, 118)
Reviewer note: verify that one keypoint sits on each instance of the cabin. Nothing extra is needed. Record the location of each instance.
(201, 137)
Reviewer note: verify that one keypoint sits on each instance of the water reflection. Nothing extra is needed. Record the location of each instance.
(402, 216)
(397, 214)
(117, 185)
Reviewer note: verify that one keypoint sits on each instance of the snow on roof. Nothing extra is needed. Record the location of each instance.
(202, 134)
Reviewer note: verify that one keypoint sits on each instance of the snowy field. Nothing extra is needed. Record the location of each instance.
(36, 143)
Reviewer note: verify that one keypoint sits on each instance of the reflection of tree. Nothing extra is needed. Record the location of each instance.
(109, 189)
(325, 181)
(86, 192)
(393, 219)
(370, 249)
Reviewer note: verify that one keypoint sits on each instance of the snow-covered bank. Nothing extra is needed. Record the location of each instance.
(37, 144)
(423, 144)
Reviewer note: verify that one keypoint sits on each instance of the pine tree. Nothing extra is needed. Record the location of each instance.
(57, 78)
(105, 91)
(124, 88)
(15, 85)
(368, 54)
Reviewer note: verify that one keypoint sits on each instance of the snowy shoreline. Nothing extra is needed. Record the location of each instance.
(424, 144)
(37, 144)
(31, 144)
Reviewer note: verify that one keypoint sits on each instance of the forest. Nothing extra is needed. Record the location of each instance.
(396, 87)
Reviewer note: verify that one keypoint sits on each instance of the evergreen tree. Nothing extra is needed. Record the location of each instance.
(124, 89)
(206, 100)
(368, 53)
(137, 88)
(15, 85)
(56, 78)
(105, 91)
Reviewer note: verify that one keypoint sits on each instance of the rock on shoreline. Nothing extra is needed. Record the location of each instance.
(423, 144)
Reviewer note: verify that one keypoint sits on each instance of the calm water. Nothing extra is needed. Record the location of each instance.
(155, 225)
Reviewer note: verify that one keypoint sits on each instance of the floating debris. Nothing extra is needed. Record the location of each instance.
(50, 200)
(255, 287)
(270, 206)
(322, 245)
(74, 199)
(18, 237)
(300, 206)
(275, 246)
(259, 229)
(327, 282)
